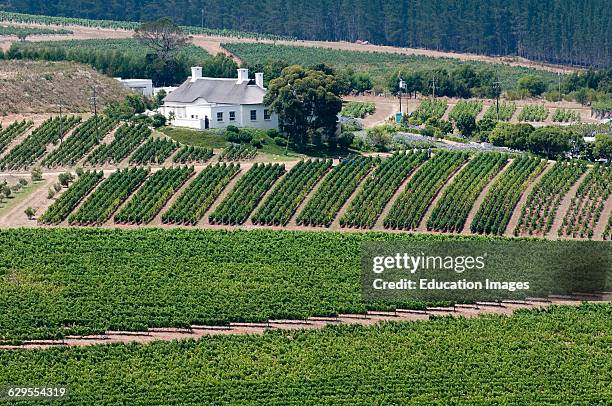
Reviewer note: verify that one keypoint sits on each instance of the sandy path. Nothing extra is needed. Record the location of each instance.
(602, 223)
(481, 197)
(212, 44)
(370, 318)
(438, 195)
(386, 107)
(335, 225)
(36, 198)
(379, 225)
(564, 206)
(534, 179)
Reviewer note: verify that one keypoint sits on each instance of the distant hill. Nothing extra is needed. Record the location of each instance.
(36, 87)
(558, 31)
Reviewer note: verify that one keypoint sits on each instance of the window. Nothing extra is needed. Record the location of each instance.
(232, 115)
(192, 116)
(220, 116)
(253, 115)
(266, 114)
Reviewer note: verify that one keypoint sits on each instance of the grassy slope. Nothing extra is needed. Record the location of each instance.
(36, 87)
(560, 355)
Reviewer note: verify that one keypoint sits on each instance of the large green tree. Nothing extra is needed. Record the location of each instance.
(307, 103)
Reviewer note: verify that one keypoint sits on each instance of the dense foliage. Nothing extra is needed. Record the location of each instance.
(80, 142)
(246, 195)
(555, 33)
(464, 107)
(411, 205)
(11, 132)
(429, 109)
(84, 280)
(451, 212)
(391, 363)
(506, 111)
(495, 211)
(565, 115)
(24, 31)
(307, 103)
(334, 191)
(153, 195)
(454, 78)
(539, 212)
(127, 138)
(589, 203)
(69, 200)
(357, 109)
(155, 150)
(126, 25)
(379, 188)
(192, 154)
(282, 202)
(35, 145)
(237, 152)
(200, 194)
(533, 112)
(103, 202)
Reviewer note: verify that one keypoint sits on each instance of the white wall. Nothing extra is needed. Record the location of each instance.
(194, 115)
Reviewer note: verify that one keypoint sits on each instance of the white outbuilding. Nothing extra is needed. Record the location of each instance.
(202, 102)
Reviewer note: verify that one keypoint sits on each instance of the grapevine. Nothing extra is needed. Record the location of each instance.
(411, 205)
(191, 205)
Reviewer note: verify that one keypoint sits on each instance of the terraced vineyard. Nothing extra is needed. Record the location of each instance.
(284, 199)
(115, 190)
(11, 132)
(80, 142)
(586, 208)
(370, 365)
(334, 191)
(429, 109)
(379, 188)
(154, 151)
(411, 205)
(533, 113)
(565, 116)
(506, 111)
(153, 195)
(191, 154)
(127, 138)
(248, 192)
(35, 145)
(494, 214)
(538, 214)
(465, 107)
(451, 212)
(68, 201)
(191, 205)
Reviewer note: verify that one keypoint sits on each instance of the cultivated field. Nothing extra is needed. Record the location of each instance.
(502, 194)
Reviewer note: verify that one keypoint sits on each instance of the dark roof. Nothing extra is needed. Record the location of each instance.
(215, 90)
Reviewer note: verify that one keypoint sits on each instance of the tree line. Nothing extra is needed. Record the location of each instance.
(559, 31)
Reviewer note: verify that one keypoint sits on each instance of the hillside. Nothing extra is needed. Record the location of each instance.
(37, 87)
(559, 31)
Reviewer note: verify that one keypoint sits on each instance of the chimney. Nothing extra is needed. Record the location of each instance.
(259, 79)
(196, 73)
(243, 76)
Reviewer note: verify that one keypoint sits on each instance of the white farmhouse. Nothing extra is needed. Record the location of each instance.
(202, 102)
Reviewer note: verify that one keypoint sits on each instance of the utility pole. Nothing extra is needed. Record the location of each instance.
(433, 87)
(497, 87)
(559, 82)
(94, 102)
(61, 121)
